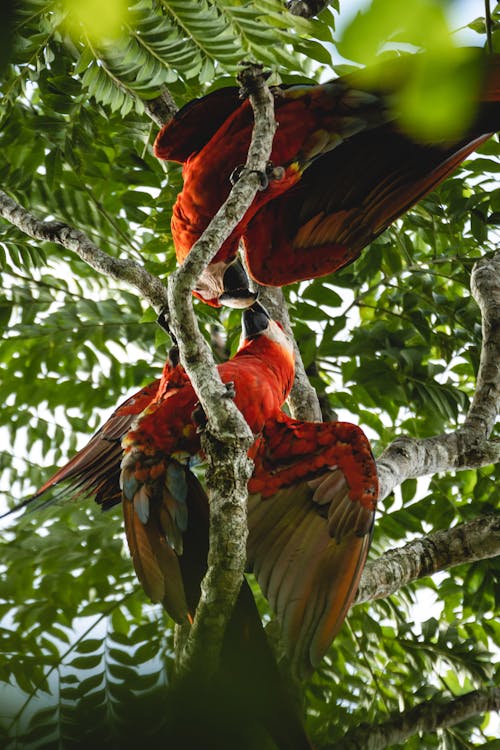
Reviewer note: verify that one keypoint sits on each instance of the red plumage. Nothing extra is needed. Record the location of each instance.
(312, 496)
(350, 170)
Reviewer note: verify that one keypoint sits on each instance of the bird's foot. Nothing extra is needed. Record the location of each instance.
(199, 417)
(198, 414)
(265, 177)
(239, 171)
(173, 355)
(230, 390)
(274, 174)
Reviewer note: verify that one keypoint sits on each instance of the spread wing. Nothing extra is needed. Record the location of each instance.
(95, 469)
(344, 200)
(310, 513)
(351, 194)
(165, 511)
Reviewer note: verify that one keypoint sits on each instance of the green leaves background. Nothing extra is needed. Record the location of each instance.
(394, 338)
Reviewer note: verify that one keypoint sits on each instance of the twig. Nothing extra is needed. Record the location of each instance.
(485, 287)
(476, 540)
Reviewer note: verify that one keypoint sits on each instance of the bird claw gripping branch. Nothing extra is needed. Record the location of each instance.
(271, 173)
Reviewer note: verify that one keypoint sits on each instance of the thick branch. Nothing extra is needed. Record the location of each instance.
(485, 287)
(408, 457)
(468, 447)
(162, 108)
(228, 436)
(467, 543)
(425, 717)
(150, 287)
(303, 399)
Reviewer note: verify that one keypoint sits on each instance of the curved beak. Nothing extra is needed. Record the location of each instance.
(236, 287)
(255, 321)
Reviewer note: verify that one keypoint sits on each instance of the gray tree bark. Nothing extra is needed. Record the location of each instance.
(227, 437)
(426, 717)
(476, 540)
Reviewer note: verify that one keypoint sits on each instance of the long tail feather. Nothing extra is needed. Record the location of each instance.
(156, 563)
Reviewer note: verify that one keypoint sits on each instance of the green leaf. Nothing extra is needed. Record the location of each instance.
(86, 662)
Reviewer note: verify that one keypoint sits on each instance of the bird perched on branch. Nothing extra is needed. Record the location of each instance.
(312, 495)
(342, 169)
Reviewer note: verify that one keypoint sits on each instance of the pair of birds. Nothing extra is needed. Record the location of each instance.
(349, 170)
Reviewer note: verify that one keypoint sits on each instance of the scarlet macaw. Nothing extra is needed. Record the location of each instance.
(349, 171)
(311, 503)
(249, 684)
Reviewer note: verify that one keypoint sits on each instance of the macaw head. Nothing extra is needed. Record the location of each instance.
(257, 323)
(225, 283)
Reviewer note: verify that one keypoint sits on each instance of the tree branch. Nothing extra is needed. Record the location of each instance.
(469, 447)
(408, 458)
(303, 399)
(425, 717)
(485, 288)
(306, 8)
(149, 286)
(228, 437)
(476, 540)
(162, 108)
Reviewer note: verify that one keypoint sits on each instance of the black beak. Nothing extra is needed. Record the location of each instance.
(255, 320)
(236, 292)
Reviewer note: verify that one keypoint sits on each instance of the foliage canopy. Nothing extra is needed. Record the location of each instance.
(394, 339)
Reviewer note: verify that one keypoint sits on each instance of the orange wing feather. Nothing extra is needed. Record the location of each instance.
(310, 513)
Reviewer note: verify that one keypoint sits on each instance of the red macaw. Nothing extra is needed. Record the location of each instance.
(311, 503)
(349, 171)
(249, 683)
